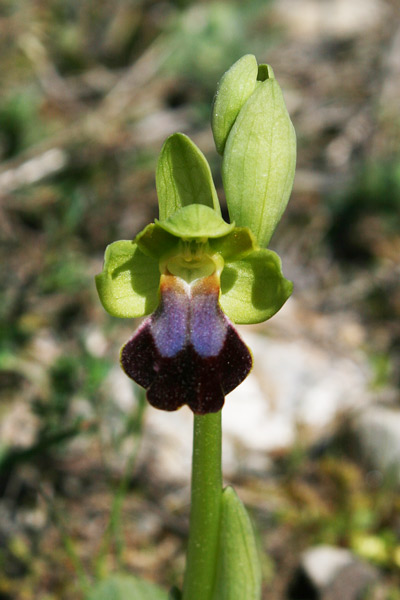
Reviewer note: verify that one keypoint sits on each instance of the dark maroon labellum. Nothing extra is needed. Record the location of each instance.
(187, 351)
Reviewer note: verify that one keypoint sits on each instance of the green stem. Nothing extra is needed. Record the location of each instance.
(205, 508)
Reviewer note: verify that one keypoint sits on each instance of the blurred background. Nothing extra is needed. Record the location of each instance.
(91, 480)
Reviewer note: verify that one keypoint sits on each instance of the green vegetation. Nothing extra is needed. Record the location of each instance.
(90, 92)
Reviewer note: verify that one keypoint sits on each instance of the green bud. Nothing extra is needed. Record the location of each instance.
(259, 159)
(233, 90)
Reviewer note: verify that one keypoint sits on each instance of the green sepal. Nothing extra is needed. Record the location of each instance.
(235, 87)
(253, 288)
(196, 221)
(183, 177)
(126, 587)
(128, 284)
(236, 244)
(259, 162)
(238, 575)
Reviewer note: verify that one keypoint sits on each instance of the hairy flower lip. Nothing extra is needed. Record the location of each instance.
(187, 351)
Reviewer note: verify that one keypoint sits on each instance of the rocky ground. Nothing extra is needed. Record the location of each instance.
(93, 481)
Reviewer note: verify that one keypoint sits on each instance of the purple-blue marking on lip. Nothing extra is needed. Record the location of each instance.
(187, 352)
(170, 322)
(208, 324)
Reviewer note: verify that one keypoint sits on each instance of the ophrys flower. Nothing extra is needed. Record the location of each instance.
(193, 272)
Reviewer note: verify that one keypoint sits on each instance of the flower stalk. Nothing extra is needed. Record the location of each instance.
(205, 508)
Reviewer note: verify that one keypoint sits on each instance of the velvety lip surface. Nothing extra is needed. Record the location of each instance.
(187, 352)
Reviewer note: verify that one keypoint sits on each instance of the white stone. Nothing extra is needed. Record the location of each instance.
(323, 563)
(167, 444)
(377, 431)
(312, 19)
(95, 342)
(19, 426)
(119, 389)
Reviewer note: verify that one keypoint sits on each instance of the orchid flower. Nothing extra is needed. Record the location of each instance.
(199, 273)
(194, 273)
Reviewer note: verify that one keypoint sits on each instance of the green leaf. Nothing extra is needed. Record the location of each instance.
(183, 177)
(125, 587)
(238, 568)
(259, 162)
(128, 284)
(196, 221)
(253, 289)
(235, 87)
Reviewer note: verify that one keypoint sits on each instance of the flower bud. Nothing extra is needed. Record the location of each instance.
(235, 87)
(259, 152)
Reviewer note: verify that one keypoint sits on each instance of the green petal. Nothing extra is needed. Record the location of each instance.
(259, 162)
(196, 221)
(183, 177)
(128, 284)
(253, 289)
(235, 245)
(235, 87)
(156, 241)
